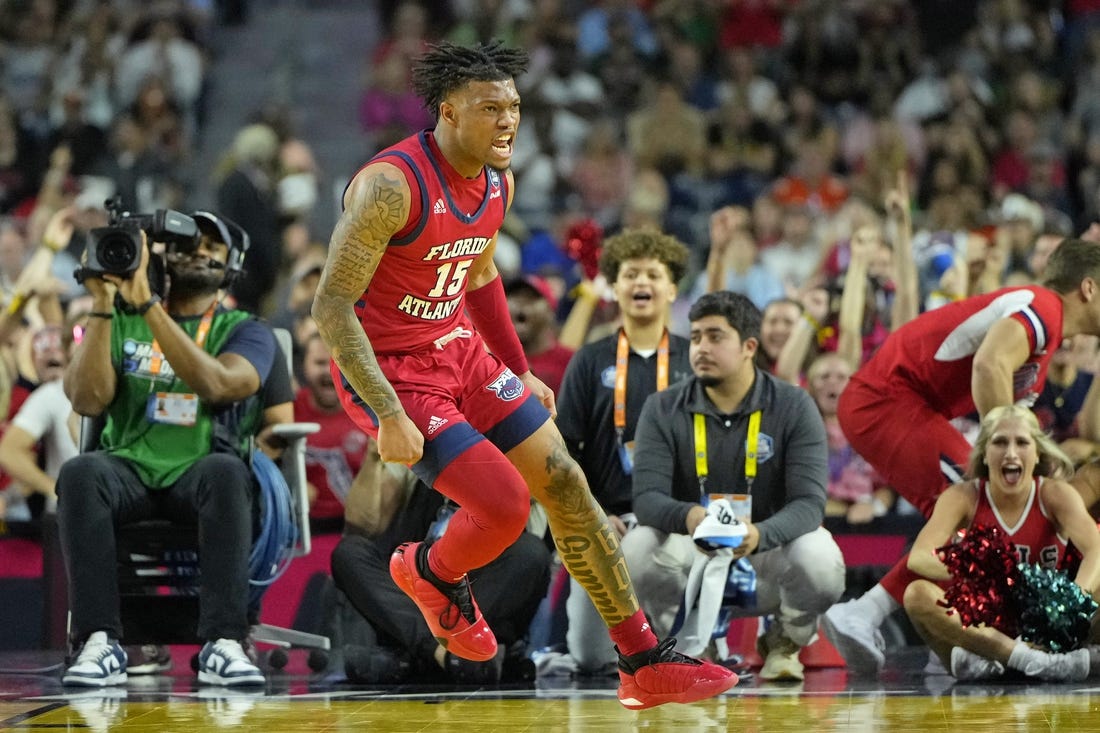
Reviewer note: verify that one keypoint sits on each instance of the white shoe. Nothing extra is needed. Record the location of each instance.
(1094, 659)
(966, 665)
(780, 657)
(101, 662)
(860, 643)
(224, 662)
(1066, 667)
(935, 664)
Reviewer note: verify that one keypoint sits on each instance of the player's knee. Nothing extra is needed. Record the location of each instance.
(569, 483)
(919, 595)
(344, 558)
(505, 507)
(511, 508)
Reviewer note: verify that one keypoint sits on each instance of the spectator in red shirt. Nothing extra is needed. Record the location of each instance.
(533, 306)
(334, 456)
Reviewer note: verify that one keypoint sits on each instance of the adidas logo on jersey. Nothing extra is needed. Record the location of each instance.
(435, 424)
(440, 207)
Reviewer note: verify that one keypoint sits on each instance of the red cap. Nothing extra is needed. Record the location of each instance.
(540, 286)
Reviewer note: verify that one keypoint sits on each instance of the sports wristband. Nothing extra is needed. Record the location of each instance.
(488, 309)
(144, 307)
(101, 314)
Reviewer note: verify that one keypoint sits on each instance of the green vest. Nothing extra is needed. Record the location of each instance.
(159, 452)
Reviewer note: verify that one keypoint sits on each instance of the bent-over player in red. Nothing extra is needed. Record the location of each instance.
(979, 353)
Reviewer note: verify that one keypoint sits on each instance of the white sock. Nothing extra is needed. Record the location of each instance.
(875, 605)
(1022, 655)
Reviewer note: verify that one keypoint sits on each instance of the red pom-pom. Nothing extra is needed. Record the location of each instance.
(582, 244)
(984, 573)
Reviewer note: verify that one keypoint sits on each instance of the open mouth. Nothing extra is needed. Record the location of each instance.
(503, 144)
(642, 297)
(1012, 474)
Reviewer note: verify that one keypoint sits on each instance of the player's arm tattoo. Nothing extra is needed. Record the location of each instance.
(377, 208)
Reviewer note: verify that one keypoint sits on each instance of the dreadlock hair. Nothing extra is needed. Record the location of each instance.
(447, 66)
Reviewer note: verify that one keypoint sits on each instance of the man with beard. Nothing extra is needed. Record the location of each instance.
(178, 380)
(409, 299)
(735, 438)
(533, 305)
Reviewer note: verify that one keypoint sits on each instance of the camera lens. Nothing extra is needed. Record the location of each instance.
(117, 252)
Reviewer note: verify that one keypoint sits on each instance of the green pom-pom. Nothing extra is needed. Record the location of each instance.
(1055, 613)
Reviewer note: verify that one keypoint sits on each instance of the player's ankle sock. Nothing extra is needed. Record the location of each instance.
(876, 604)
(441, 573)
(897, 579)
(1021, 655)
(634, 635)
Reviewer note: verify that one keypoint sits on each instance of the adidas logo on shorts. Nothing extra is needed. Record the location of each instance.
(435, 423)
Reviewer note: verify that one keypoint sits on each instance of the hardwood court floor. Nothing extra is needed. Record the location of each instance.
(902, 699)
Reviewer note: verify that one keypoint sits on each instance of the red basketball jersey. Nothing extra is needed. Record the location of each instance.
(1033, 535)
(417, 293)
(334, 455)
(933, 355)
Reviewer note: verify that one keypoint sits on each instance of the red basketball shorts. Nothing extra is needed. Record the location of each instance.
(456, 396)
(915, 448)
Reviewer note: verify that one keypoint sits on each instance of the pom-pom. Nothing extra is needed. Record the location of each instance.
(582, 244)
(984, 577)
(1055, 613)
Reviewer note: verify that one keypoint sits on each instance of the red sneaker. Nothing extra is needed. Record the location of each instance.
(450, 610)
(662, 675)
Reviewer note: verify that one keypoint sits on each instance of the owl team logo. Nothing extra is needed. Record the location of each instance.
(507, 386)
(765, 447)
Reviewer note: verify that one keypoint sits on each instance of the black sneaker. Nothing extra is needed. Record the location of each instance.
(466, 672)
(375, 665)
(517, 667)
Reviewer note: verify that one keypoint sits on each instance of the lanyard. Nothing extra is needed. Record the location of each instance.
(751, 441)
(200, 338)
(622, 356)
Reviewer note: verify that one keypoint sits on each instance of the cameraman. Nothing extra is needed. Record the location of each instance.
(164, 373)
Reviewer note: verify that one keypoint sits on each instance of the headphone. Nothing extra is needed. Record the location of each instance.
(234, 237)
